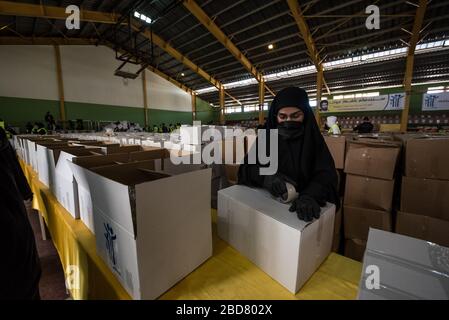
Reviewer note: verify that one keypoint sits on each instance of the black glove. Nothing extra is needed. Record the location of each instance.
(275, 184)
(306, 207)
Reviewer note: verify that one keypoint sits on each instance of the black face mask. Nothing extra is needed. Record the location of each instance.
(290, 129)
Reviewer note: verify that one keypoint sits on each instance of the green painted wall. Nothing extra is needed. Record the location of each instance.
(18, 111)
(205, 113)
(96, 112)
(157, 117)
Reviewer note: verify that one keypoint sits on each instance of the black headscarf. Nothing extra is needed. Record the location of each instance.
(305, 160)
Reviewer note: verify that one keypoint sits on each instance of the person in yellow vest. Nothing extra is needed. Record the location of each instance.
(333, 126)
(3, 126)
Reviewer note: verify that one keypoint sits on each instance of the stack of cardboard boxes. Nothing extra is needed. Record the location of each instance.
(424, 211)
(337, 147)
(370, 168)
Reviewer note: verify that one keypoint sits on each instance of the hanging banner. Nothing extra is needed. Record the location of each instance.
(393, 101)
(435, 101)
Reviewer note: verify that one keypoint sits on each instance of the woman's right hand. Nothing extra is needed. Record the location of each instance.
(275, 184)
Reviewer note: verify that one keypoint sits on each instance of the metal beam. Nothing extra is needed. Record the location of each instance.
(408, 77)
(45, 41)
(50, 12)
(306, 35)
(210, 25)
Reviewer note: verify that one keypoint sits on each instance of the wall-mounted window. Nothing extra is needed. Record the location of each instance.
(438, 89)
(250, 108)
(357, 95)
(233, 109)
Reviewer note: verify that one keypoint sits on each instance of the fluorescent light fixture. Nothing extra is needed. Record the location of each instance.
(142, 17)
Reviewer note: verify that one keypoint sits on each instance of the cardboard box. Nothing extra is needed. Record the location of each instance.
(407, 269)
(42, 160)
(425, 196)
(355, 249)
(368, 193)
(427, 158)
(375, 160)
(65, 187)
(232, 171)
(423, 227)
(357, 222)
(101, 160)
(151, 229)
(337, 145)
(121, 149)
(337, 229)
(263, 230)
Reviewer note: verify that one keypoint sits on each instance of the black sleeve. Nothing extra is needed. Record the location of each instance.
(323, 184)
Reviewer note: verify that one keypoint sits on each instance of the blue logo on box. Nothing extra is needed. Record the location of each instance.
(110, 238)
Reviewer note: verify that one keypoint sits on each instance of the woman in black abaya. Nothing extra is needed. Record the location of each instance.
(303, 157)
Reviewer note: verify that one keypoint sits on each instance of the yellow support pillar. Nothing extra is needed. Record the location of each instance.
(193, 95)
(261, 100)
(62, 116)
(408, 77)
(222, 105)
(319, 86)
(145, 98)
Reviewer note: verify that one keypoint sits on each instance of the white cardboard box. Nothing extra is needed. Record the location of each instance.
(408, 268)
(65, 186)
(263, 230)
(151, 230)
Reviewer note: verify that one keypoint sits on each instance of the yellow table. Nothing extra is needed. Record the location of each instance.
(226, 275)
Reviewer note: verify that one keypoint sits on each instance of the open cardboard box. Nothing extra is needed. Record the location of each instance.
(152, 228)
(263, 230)
(65, 187)
(42, 158)
(48, 155)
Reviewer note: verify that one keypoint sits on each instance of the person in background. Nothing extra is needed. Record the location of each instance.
(39, 128)
(331, 123)
(28, 127)
(303, 157)
(164, 128)
(20, 267)
(365, 127)
(50, 120)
